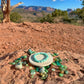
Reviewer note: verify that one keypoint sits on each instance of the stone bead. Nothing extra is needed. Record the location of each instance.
(53, 69)
(30, 67)
(47, 67)
(16, 61)
(60, 74)
(27, 65)
(58, 63)
(25, 57)
(66, 72)
(24, 63)
(37, 69)
(54, 63)
(33, 72)
(22, 57)
(55, 54)
(46, 70)
(12, 63)
(19, 59)
(19, 65)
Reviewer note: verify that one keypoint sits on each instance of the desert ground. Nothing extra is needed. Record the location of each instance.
(65, 39)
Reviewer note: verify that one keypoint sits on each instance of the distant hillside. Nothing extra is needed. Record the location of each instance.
(37, 8)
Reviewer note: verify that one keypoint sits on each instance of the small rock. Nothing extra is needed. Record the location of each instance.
(19, 65)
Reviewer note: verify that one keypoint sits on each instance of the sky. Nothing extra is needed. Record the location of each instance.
(58, 4)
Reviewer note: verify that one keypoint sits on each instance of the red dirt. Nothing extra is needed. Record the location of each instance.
(62, 38)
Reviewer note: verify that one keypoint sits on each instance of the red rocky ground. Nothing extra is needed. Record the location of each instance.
(65, 39)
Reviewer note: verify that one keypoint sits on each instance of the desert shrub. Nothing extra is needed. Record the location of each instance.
(15, 17)
(66, 20)
(47, 18)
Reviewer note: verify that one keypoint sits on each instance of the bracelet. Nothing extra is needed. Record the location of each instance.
(40, 61)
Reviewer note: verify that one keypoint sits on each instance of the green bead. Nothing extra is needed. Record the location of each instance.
(32, 76)
(55, 54)
(30, 51)
(33, 72)
(53, 69)
(25, 57)
(46, 70)
(12, 63)
(47, 67)
(16, 61)
(37, 69)
(24, 63)
(19, 59)
(58, 63)
(54, 63)
(60, 74)
(30, 67)
(27, 65)
(66, 72)
(22, 57)
(62, 66)
(65, 67)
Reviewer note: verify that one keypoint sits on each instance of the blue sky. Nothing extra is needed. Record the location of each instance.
(59, 4)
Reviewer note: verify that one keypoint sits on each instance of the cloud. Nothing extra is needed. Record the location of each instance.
(53, 0)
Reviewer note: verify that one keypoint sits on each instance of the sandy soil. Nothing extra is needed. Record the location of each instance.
(65, 39)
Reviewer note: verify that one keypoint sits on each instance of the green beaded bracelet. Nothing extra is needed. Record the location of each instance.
(40, 61)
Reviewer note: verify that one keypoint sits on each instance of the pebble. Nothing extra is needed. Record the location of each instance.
(19, 65)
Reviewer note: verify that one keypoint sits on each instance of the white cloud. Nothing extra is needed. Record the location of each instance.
(53, 0)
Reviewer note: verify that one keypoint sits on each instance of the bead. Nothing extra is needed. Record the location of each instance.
(33, 72)
(12, 63)
(66, 72)
(27, 65)
(37, 69)
(22, 57)
(24, 63)
(58, 63)
(16, 61)
(25, 57)
(19, 65)
(46, 70)
(19, 59)
(55, 54)
(54, 63)
(65, 67)
(30, 51)
(53, 69)
(47, 67)
(60, 74)
(30, 68)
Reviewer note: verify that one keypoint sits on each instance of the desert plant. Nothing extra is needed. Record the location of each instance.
(15, 17)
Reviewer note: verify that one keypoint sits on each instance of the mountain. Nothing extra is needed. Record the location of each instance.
(69, 10)
(37, 8)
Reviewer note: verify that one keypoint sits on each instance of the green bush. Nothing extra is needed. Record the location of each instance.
(66, 19)
(15, 17)
(47, 18)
